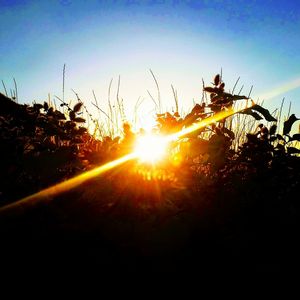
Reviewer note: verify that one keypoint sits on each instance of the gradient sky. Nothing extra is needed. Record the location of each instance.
(181, 41)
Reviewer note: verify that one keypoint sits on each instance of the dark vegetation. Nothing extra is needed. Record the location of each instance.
(213, 206)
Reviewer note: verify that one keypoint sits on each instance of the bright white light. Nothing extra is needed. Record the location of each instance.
(151, 148)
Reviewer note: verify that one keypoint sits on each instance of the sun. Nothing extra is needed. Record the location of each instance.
(151, 148)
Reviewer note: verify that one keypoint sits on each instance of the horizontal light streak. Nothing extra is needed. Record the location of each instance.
(66, 185)
(69, 184)
(294, 84)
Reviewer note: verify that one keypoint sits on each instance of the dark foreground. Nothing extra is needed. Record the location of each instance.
(76, 236)
(236, 213)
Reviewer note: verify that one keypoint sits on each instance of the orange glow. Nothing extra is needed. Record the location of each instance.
(217, 117)
(149, 148)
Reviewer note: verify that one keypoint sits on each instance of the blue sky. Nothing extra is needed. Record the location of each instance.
(181, 41)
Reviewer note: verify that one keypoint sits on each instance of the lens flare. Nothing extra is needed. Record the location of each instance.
(284, 88)
(207, 121)
(65, 186)
(151, 148)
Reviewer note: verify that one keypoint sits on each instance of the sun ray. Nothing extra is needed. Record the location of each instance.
(66, 185)
(54, 190)
(207, 121)
(151, 148)
(284, 88)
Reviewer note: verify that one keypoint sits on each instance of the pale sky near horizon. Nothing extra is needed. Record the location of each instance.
(181, 41)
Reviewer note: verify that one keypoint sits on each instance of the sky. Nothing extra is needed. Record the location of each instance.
(180, 41)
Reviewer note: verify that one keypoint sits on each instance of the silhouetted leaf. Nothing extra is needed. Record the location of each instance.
(264, 112)
(287, 125)
(77, 107)
(198, 147)
(280, 137)
(264, 131)
(238, 97)
(190, 119)
(229, 133)
(46, 106)
(255, 115)
(72, 115)
(296, 137)
(251, 137)
(69, 125)
(217, 79)
(79, 120)
(211, 90)
(59, 115)
(215, 107)
(280, 147)
(37, 106)
(293, 150)
(273, 129)
(197, 109)
(81, 130)
(215, 97)
(50, 111)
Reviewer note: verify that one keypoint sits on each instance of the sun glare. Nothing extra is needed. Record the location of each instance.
(151, 148)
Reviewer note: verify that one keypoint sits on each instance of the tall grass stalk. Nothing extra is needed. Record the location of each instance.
(16, 91)
(158, 91)
(5, 90)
